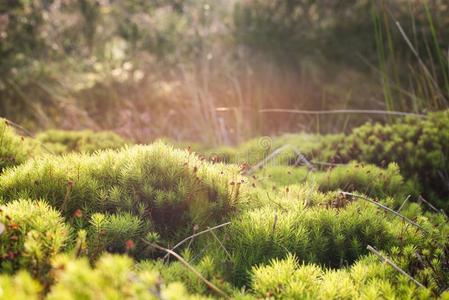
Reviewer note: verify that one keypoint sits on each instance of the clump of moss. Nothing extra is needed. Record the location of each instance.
(208, 266)
(19, 287)
(420, 146)
(370, 180)
(33, 234)
(112, 278)
(366, 279)
(85, 141)
(14, 149)
(257, 149)
(334, 235)
(117, 233)
(367, 179)
(173, 188)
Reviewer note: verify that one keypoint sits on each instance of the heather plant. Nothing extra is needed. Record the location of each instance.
(173, 188)
(33, 234)
(86, 141)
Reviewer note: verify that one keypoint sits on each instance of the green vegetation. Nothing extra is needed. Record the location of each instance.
(33, 234)
(139, 67)
(334, 236)
(369, 179)
(113, 277)
(367, 279)
(244, 149)
(14, 149)
(59, 141)
(172, 188)
(291, 232)
(418, 146)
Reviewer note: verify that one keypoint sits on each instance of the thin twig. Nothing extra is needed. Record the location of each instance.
(262, 163)
(17, 126)
(274, 224)
(302, 158)
(276, 153)
(386, 209)
(195, 228)
(421, 198)
(391, 263)
(188, 266)
(200, 253)
(403, 203)
(278, 204)
(221, 245)
(195, 235)
(340, 111)
(27, 132)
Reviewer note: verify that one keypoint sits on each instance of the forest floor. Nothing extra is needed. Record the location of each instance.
(90, 215)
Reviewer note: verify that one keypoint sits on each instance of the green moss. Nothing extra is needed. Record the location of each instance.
(333, 236)
(184, 145)
(34, 233)
(86, 141)
(172, 188)
(208, 267)
(370, 180)
(19, 287)
(257, 149)
(14, 149)
(420, 146)
(367, 279)
(280, 176)
(367, 179)
(117, 233)
(112, 278)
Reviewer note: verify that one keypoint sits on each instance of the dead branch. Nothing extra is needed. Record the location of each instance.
(396, 267)
(192, 269)
(386, 209)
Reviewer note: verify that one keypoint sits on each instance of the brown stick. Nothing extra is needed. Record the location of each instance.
(188, 266)
(27, 132)
(403, 203)
(195, 235)
(386, 209)
(277, 152)
(222, 246)
(396, 267)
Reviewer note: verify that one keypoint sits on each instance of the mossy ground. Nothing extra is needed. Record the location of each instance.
(82, 223)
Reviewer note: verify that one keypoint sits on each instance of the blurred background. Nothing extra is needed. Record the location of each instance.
(202, 70)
